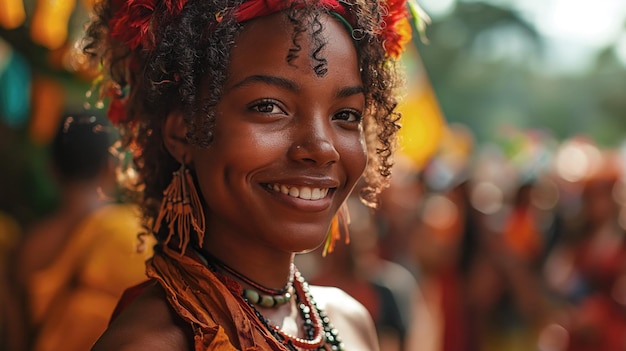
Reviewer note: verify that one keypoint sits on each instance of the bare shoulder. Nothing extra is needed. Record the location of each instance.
(39, 247)
(148, 323)
(348, 316)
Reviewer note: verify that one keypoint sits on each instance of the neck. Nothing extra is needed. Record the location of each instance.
(253, 258)
(81, 197)
(270, 272)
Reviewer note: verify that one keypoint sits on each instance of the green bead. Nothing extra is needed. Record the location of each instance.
(267, 301)
(251, 295)
(280, 300)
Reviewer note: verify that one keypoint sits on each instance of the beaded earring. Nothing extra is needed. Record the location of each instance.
(181, 208)
(339, 224)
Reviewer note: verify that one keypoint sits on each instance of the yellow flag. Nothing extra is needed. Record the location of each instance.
(423, 123)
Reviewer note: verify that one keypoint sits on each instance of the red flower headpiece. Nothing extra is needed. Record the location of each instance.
(396, 31)
(134, 20)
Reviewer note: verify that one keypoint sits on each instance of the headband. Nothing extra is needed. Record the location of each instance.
(259, 8)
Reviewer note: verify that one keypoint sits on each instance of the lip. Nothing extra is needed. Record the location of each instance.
(297, 203)
(313, 182)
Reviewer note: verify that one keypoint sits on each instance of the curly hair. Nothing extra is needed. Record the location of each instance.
(192, 50)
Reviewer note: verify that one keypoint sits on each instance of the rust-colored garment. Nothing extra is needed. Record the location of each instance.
(521, 234)
(221, 320)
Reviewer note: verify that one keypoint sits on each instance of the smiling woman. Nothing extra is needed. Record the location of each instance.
(251, 122)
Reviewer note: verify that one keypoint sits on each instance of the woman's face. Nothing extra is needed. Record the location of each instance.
(288, 145)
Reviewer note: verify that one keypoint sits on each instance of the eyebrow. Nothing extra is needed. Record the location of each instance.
(291, 85)
(349, 91)
(271, 80)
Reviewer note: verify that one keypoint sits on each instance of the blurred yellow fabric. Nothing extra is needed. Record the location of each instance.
(77, 294)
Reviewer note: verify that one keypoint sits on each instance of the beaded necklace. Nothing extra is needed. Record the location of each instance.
(320, 334)
(243, 278)
(262, 296)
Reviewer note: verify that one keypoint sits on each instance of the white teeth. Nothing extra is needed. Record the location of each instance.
(294, 192)
(316, 194)
(305, 192)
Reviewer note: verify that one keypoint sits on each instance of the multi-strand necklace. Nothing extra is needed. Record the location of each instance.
(319, 333)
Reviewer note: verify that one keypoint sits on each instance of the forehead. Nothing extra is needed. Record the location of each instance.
(265, 43)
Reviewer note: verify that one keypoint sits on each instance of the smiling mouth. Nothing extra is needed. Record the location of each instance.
(300, 192)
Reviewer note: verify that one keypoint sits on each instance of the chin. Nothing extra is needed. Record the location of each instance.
(310, 248)
(300, 240)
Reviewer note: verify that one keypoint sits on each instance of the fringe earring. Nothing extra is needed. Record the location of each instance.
(181, 208)
(339, 225)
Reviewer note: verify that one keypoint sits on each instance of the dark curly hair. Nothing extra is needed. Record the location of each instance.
(80, 148)
(192, 50)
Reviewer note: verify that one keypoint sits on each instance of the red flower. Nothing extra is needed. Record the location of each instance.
(117, 110)
(131, 23)
(134, 20)
(174, 6)
(396, 31)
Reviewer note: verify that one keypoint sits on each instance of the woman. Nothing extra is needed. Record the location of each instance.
(251, 122)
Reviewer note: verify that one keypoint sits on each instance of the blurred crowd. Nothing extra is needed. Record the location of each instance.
(514, 245)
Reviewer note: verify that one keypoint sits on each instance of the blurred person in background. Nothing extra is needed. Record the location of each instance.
(385, 288)
(437, 233)
(475, 254)
(398, 204)
(586, 270)
(71, 267)
(504, 283)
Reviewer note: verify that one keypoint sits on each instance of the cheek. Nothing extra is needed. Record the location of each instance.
(355, 156)
(207, 176)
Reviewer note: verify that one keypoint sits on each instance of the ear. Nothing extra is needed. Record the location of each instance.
(175, 137)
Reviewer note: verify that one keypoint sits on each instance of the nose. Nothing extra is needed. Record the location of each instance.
(314, 143)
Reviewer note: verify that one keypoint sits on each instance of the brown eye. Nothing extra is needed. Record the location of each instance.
(351, 116)
(266, 106)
